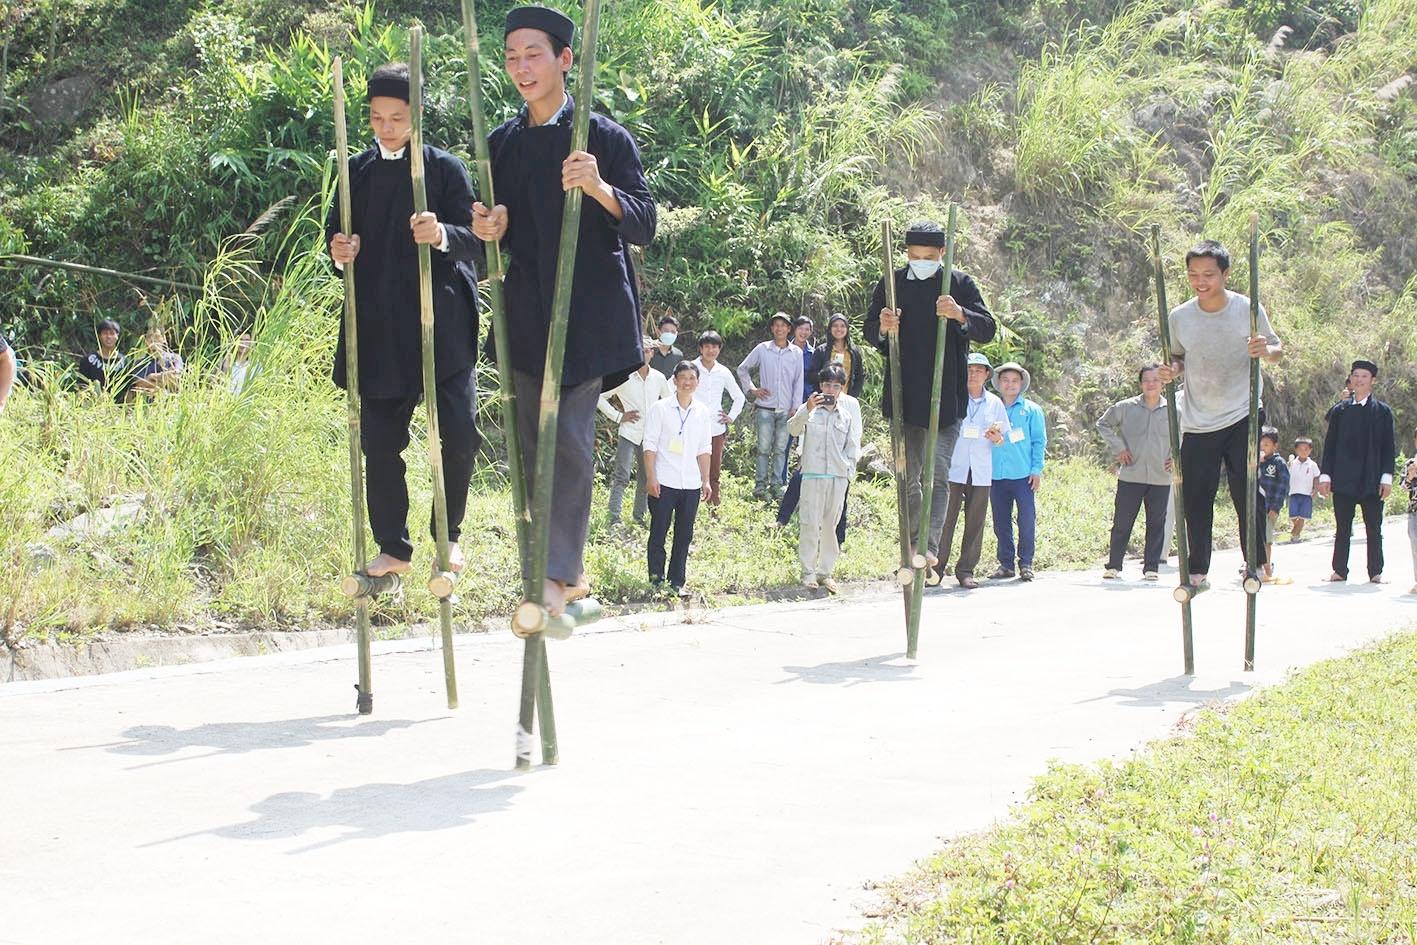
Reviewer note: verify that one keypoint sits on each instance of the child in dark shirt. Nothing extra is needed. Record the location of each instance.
(1274, 486)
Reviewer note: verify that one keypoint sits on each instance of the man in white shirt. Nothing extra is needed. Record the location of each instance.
(715, 379)
(1303, 473)
(641, 390)
(983, 427)
(677, 442)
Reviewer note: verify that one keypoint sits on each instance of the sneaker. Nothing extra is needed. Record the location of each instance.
(1111, 574)
(1001, 573)
(968, 582)
(831, 586)
(1413, 590)
(1150, 576)
(1025, 574)
(1336, 578)
(683, 591)
(1376, 579)
(810, 580)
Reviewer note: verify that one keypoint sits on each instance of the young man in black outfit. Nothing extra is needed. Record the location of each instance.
(1359, 458)
(105, 368)
(922, 313)
(532, 169)
(385, 237)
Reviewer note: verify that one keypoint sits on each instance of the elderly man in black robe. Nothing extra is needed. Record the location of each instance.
(385, 237)
(923, 310)
(532, 168)
(1359, 458)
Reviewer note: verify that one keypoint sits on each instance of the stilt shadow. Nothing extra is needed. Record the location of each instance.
(1177, 689)
(371, 811)
(851, 672)
(238, 738)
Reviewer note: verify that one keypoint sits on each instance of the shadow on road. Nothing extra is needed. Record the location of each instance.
(371, 810)
(236, 738)
(851, 672)
(1171, 691)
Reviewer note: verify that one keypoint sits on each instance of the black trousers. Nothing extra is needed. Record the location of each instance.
(1202, 455)
(680, 505)
(1130, 498)
(1343, 509)
(383, 435)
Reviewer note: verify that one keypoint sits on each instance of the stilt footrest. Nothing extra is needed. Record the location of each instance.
(360, 584)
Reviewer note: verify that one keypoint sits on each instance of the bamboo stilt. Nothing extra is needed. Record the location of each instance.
(932, 437)
(365, 701)
(430, 374)
(905, 574)
(1251, 527)
(1184, 591)
(97, 271)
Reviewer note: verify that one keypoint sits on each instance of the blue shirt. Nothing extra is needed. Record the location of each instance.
(973, 458)
(1021, 453)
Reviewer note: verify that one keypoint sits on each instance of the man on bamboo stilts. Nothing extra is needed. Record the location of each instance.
(924, 310)
(532, 168)
(1211, 350)
(383, 248)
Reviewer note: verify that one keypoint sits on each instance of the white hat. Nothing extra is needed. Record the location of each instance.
(1012, 366)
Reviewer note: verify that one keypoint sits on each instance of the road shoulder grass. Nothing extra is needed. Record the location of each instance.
(1288, 817)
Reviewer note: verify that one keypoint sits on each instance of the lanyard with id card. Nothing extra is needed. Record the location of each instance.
(676, 442)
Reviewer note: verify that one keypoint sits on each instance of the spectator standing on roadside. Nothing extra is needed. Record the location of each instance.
(982, 430)
(1274, 486)
(829, 423)
(715, 380)
(776, 397)
(1360, 452)
(1018, 472)
(641, 390)
(676, 446)
(666, 356)
(1303, 473)
(1138, 434)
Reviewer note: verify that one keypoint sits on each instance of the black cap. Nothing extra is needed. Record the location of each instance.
(553, 23)
(1366, 365)
(925, 233)
(389, 81)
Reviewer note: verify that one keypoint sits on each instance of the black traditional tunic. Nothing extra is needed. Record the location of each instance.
(1360, 447)
(604, 334)
(919, 327)
(386, 272)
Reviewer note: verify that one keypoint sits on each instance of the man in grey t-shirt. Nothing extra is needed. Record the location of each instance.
(1211, 350)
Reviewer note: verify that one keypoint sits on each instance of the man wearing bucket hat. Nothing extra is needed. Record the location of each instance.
(1018, 471)
(926, 306)
(984, 427)
(1359, 458)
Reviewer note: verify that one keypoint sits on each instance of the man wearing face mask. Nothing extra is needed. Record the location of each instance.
(924, 310)
(666, 357)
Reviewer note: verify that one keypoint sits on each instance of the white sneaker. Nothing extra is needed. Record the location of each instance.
(1111, 574)
(1150, 576)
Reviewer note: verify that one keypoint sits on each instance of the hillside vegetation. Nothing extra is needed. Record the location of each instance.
(190, 139)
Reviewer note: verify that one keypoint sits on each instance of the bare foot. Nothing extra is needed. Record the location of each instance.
(553, 597)
(578, 590)
(456, 562)
(387, 564)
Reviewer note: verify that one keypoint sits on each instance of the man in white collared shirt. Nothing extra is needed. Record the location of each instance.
(984, 426)
(641, 390)
(715, 379)
(676, 447)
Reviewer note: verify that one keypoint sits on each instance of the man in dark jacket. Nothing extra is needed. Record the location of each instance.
(385, 237)
(924, 310)
(1360, 455)
(532, 168)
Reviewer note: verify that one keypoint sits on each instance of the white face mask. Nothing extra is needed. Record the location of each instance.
(667, 338)
(924, 268)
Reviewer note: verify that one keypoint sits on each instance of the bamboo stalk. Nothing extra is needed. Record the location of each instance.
(430, 374)
(365, 701)
(932, 437)
(97, 271)
(1173, 419)
(1256, 535)
(905, 574)
(534, 663)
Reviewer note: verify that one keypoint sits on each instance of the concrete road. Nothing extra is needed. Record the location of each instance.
(733, 778)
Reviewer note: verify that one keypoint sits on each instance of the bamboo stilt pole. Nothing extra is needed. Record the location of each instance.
(430, 374)
(1178, 506)
(932, 437)
(97, 271)
(363, 589)
(534, 662)
(905, 574)
(1251, 527)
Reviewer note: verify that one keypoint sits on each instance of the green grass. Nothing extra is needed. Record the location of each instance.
(1289, 818)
